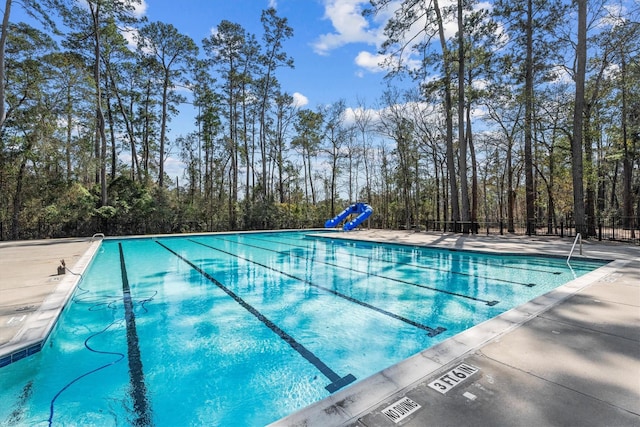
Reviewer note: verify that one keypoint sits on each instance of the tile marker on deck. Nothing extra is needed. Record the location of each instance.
(454, 377)
(401, 409)
(337, 382)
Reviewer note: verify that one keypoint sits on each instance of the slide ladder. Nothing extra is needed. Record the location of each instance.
(363, 210)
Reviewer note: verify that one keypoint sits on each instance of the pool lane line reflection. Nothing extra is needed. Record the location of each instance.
(372, 244)
(431, 332)
(136, 373)
(422, 267)
(337, 382)
(406, 282)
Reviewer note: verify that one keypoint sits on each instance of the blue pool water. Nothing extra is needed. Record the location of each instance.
(243, 329)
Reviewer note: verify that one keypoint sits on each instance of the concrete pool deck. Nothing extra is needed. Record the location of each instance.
(568, 358)
(32, 293)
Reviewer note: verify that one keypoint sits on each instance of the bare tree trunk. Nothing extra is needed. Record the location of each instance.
(462, 141)
(101, 137)
(3, 44)
(313, 192)
(247, 152)
(602, 178)
(233, 217)
(590, 200)
(437, 183)
(578, 120)
(627, 162)
(450, 155)
(279, 159)
(146, 145)
(306, 181)
(129, 127)
(551, 212)
(67, 148)
(163, 129)
(17, 197)
(112, 134)
(511, 193)
(474, 168)
(613, 201)
(528, 126)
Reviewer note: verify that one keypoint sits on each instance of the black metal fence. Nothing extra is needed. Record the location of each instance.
(621, 229)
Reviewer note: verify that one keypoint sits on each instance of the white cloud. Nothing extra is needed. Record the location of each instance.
(351, 27)
(378, 63)
(140, 9)
(480, 84)
(349, 24)
(273, 4)
(368, 114)
(299, 100)
(131, 35)
(614, 15)
(371, 62)
(612, 70)
(174, 167)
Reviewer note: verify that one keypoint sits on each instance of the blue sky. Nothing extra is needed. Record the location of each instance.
(333, 47)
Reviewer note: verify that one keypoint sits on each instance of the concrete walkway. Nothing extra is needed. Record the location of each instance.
(567, 358)
(32, 294)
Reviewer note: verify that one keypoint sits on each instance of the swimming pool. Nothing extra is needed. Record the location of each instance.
(242, 329)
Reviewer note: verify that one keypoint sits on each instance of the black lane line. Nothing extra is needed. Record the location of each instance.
(422, 267)
(136, 374)
(431, 332)
(337, 382)
(489, 303)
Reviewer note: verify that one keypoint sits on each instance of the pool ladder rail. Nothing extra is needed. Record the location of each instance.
(578, 238)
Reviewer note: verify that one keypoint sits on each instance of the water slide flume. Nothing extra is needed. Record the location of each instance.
(363, 210)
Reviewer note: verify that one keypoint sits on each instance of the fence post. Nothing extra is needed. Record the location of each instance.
(600, 231)
(501, 228)
(613, 229)
(561, 228)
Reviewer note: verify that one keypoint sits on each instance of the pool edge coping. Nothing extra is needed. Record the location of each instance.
(38, 326)
(347, 405)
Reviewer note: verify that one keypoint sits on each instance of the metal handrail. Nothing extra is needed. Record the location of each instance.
(578, 237)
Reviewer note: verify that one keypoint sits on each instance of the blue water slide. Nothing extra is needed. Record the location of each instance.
(363, 210)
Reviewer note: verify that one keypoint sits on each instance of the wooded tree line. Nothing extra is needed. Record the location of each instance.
(529, 114)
